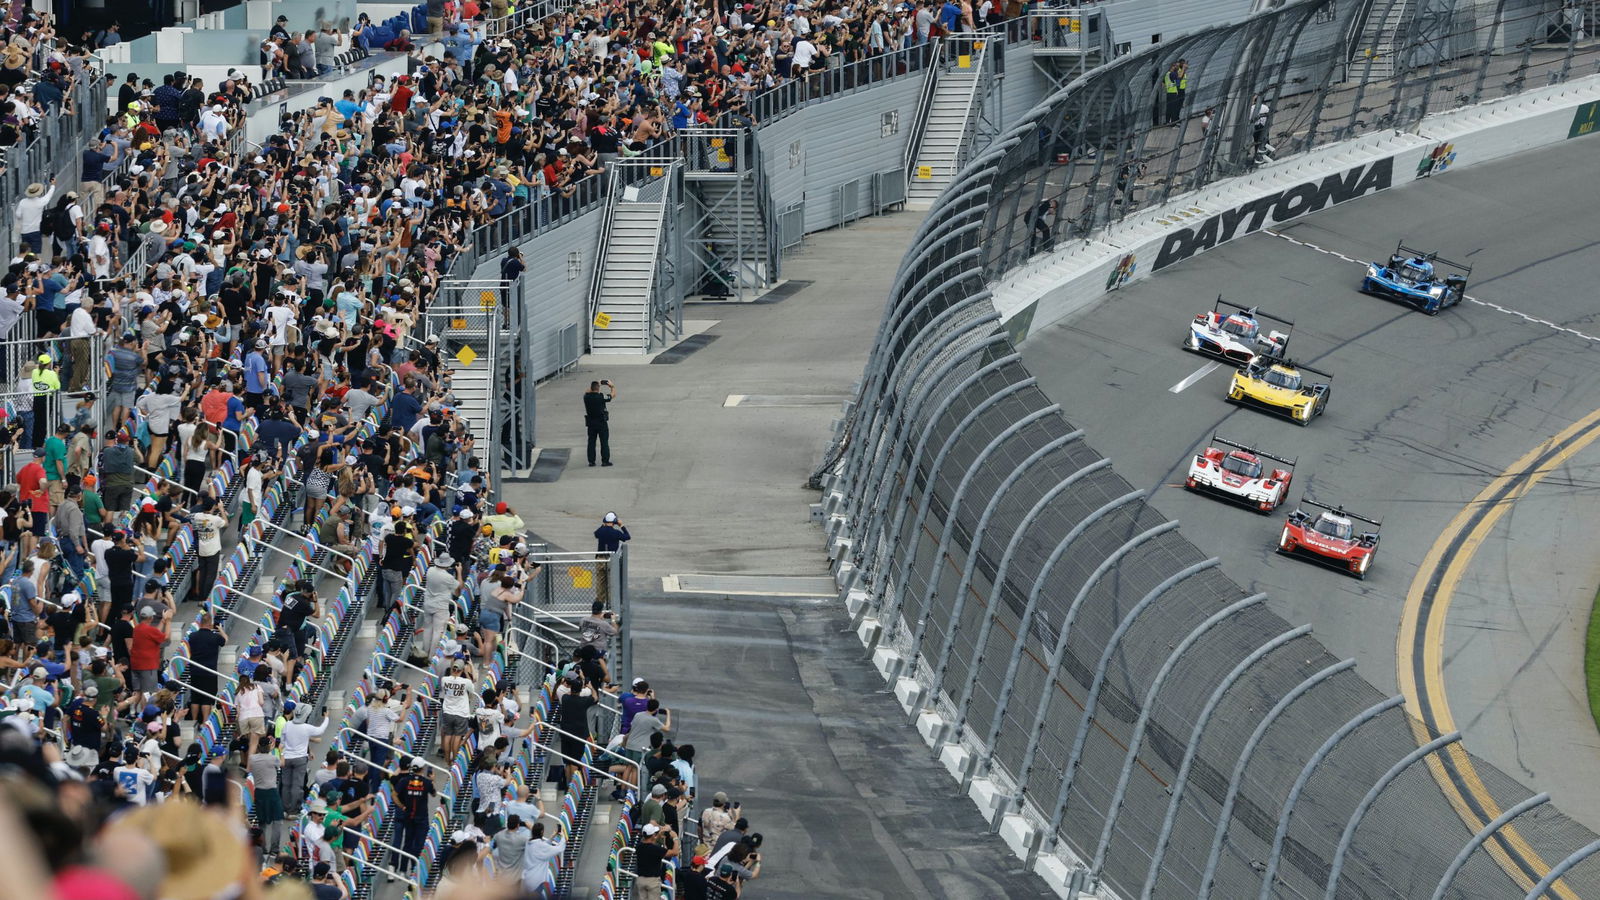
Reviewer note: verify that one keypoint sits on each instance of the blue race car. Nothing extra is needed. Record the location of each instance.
(1421, 279)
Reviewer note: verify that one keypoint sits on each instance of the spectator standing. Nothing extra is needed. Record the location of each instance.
(144, 651)
(30, 214)
(297, 736)
(265, 769)
(413, 792)
(440, 588)
(596, 417)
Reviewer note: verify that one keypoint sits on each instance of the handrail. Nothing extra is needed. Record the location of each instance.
(232, 681)
(399, 751)
(307, 539)
(251, 597)
(528, 620)
(638, 767)
(597, 277)
(345, 751)
(157, 475)
(919, 124)
(189, 687)
(398, 876)
(379, 654)
(269, 546)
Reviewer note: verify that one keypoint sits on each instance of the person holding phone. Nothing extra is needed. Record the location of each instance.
(597, 418)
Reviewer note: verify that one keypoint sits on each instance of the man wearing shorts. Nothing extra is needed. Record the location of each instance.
(456, 699)
(123, 386)
(144, 651)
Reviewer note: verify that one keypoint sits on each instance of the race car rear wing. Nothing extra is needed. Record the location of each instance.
(1217, 439)
(1291, 364)
(1340, 511)
(1460, 269)
(1253, 311)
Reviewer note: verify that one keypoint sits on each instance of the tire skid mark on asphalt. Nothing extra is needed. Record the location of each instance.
(1530, 319)
(1420, 646)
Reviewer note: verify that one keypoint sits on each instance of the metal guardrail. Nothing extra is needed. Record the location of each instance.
(1126, 698)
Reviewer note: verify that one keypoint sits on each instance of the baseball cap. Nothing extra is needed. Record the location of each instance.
(408, 510)
(501, 507)
(697, 861)
(610, 517)
(720, 797)
(659, 790)
(652, 827)
(219, 749)
(44, 359)
(414, 763)
(39, 672)
(465, 513)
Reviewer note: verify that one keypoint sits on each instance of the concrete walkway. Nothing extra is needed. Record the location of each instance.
(785, 713)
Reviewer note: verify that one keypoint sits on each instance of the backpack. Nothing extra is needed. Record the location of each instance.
(58, 221)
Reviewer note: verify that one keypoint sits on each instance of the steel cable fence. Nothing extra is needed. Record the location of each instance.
(1132, 702)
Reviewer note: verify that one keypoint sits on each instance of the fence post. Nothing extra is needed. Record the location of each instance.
(1193, 748)
(1042, 705)
(1145, 711)
(1482, 837)
(1300, 782)
(970, 568)
(937, 574)
(874, 511)
(1089, 704)
(903, 502)
(955, 501)
(1246, 754)
(1346, 839)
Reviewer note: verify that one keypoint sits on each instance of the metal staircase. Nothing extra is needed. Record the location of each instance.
(1382, 40)
(731, 249)
(482, 338)
(623, 298)
(945, 141)
(1068, 43)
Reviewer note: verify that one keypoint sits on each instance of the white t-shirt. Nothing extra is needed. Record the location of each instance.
(82, 324)
(208, 531)
(134, 782)
(279, 318)
(489, 721)
(804, 53)
(455, 695)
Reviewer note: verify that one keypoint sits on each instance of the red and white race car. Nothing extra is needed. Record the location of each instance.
(1235, 471)
(1329, 535)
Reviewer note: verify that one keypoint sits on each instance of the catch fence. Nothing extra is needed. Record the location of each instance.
(1161, 727)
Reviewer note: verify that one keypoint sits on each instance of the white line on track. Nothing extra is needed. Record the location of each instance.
(1556, 326)
(1194, 376)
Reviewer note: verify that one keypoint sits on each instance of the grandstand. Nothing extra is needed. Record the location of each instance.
(297, 268)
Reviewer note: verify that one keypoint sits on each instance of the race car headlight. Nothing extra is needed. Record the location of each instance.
(1373, 270)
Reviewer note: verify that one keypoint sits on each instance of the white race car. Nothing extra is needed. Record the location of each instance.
(1235, 471)
(1232, 334)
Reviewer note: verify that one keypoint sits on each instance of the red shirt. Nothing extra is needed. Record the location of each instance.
(30, 480)
(400, 100)
(144, 651)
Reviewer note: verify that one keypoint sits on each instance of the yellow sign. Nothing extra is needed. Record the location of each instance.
(487, 299)
(1077, 24)
(458, 323)
(466, 356)
(977, 45)
(582, 579)
(656, 171)
(602, 320)
(925, 172)
(963, 61)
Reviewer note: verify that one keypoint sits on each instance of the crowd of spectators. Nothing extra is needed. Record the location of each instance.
(257, 303)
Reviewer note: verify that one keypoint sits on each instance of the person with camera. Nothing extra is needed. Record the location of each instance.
(597, 418)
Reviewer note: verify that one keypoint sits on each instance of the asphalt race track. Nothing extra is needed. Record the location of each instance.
(1425, 413)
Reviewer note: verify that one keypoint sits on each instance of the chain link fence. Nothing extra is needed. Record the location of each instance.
(1161, 727)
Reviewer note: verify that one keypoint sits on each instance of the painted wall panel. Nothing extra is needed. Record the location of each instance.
(557, 293)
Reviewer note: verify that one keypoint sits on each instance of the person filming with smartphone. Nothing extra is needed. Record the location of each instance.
(597, 418)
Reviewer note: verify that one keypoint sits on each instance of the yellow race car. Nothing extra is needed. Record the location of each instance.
(1280, 386)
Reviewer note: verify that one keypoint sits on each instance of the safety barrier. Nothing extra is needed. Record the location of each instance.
(1126, 716)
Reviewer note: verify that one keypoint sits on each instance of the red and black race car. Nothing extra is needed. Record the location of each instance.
(1329, 535)
(1235, 471)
